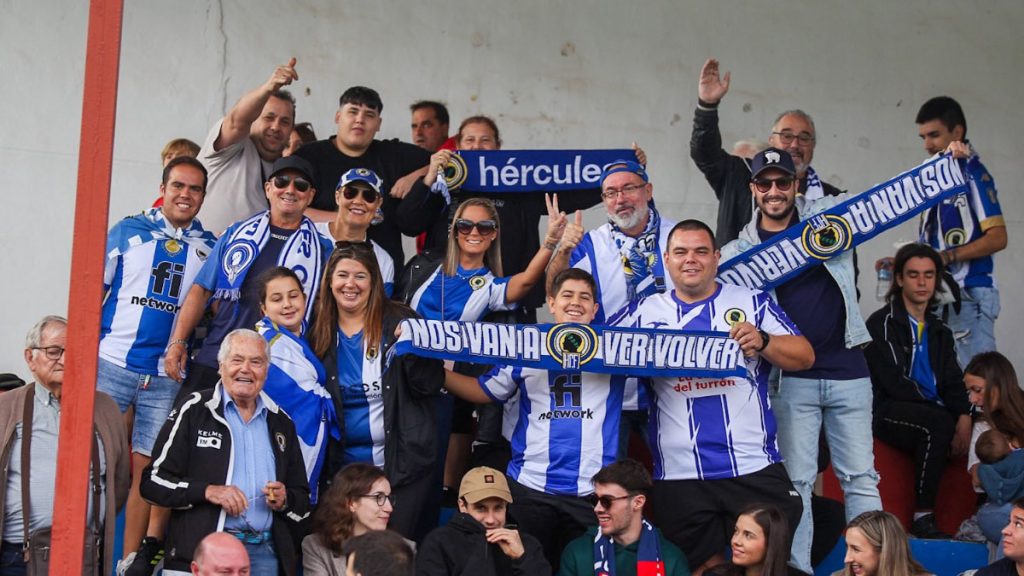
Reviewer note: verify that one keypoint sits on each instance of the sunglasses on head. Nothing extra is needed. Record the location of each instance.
(350, 192)
(605, 501)
(765, 184)
(483, 227)
(301, 184)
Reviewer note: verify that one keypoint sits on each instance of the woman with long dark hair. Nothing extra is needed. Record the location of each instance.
(760, 544)
(385, 404)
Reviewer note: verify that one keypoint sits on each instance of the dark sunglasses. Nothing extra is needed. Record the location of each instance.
(606, 501)
(301, 184)
(765, 184)
(483, 227)
(369, 194)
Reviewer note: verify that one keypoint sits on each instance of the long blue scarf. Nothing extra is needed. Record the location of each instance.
(151, 225)
(630, 351)
(845, 225)
(529, 170)
(302, 253)
(295, 381)
(640, 260)
(648, 555)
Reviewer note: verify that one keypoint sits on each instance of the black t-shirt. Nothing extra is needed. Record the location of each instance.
(813, 301)
(390, 159)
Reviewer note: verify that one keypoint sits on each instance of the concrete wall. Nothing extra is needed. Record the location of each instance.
(553, 74)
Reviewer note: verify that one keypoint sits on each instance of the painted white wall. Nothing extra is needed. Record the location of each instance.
(554, 74)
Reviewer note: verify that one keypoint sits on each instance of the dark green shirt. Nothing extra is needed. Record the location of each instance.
(578, 557)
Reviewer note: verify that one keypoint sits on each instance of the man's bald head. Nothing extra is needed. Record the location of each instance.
(220, 553)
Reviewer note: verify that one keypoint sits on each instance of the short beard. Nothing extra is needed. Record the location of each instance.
(628, 222)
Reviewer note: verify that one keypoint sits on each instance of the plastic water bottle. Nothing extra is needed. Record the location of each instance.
(884, 281)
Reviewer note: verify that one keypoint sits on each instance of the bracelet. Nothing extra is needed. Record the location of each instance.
(706, 105)
(765, 338)
(550, 244)
(178, 341)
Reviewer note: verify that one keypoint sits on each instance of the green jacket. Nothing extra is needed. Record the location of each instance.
(578, 557)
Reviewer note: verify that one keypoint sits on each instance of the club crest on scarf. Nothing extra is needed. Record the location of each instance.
(825, 235)
(572, 345)
(238, 258)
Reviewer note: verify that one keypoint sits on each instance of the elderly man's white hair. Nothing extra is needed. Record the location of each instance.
(244, 334)
(35, 335)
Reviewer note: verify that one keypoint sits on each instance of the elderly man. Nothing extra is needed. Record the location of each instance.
(228, 459)
(29, 426)
(281, 236)
(705, 474)
(243, 145)
(836, 390)
(628, 543)
(728, 175)
(625, 258)
(152, 259)
(220, 554)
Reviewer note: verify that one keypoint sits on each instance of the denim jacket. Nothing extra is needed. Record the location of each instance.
(841, 267)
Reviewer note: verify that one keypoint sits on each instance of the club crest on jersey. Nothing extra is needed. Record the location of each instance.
(477, 282)
(238, 258)
(825, 235)
(455, 172)
(571, 345)
(955, 237)
(734, 316)
(172, 246)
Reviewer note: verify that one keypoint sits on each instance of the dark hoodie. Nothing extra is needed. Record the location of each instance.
(460, 548)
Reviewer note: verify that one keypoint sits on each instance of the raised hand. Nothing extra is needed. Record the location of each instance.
(712, 87)
(556, 220)
(283, 76)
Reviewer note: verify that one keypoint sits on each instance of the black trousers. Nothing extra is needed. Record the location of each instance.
(925, 431)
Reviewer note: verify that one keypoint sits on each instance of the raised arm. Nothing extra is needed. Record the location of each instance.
(238, 121)
(785, 351)
(571, 238)
(465, 387)
(520, 284)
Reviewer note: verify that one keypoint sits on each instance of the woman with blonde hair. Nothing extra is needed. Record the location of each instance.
(876, 545)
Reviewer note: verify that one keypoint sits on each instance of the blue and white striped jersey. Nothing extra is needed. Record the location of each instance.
(149, 269)
(359, 379)
(568, 425)
(711, 428)
(962, 219)
(468, 296)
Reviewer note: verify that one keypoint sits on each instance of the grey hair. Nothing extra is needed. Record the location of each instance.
(798, 113)
(750, 146)
(245, 333)
(35, 335)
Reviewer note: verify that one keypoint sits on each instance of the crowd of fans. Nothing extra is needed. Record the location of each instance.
(251, 314)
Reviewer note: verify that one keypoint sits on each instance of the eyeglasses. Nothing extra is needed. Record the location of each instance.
(51, 352)
(628, 190)
(350, 192)
(606, 501)
(380, 498)
(483, 227)
(787, 137)
(765, 184)
(301, 184)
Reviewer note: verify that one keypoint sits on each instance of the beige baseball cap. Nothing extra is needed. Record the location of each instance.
(482, 483)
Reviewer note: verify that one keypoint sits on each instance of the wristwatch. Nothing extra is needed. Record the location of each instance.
(765, 338)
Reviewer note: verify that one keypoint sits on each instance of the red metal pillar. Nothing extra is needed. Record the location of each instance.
(95, 153)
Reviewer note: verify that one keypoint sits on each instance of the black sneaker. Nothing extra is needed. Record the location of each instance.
(926, 529)
(149, 554)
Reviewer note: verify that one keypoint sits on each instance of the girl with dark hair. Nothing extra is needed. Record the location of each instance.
(760, 544)
(358, 501)
(992, 386)
(384, 404)
(295, 379)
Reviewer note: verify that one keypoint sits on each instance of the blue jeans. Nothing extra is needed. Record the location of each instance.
(12, 560)
(975, 325)
(152, 396)
(262, 559)
(801, 406)
(992, 519)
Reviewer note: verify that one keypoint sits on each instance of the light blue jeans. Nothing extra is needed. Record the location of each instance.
(262, 559)
(992, 519)
(975, 325)
(801, 406)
